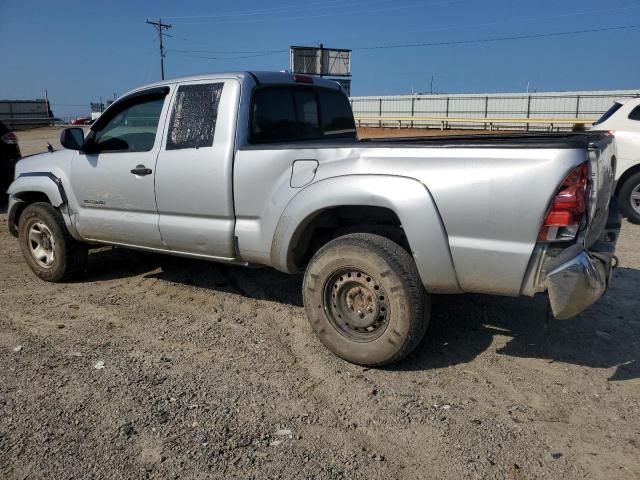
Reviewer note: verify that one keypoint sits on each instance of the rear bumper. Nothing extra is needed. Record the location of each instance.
(578, 283)
(578, 277)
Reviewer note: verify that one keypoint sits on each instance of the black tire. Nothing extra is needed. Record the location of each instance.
(340, 283)
(630, 186)
(69, 256)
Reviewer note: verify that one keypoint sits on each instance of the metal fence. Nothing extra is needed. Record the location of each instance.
(505, 109)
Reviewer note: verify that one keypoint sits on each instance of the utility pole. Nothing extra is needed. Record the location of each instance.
(159, 26)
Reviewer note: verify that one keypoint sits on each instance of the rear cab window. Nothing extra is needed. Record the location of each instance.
(337, 116)
(296, 113)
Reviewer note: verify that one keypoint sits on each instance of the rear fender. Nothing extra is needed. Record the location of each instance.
(407, 197)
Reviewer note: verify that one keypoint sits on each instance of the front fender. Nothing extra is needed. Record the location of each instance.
(407, 197)
(45, 183)
(42, 182)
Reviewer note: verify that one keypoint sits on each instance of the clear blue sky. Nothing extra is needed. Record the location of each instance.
(82, 50)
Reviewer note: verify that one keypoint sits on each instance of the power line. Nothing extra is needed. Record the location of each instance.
(267, 11)
(338, 12)
(187, 53)
(251, 54)
(67, 105)
(236, 52)
(502, 22)
(495, 39)
(437, 29)
(159, 26)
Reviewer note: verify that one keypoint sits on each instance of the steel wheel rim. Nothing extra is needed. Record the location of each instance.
(635, 199)
(42, 245)
(356, 304)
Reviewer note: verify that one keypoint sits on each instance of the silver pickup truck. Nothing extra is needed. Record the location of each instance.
(260, 168)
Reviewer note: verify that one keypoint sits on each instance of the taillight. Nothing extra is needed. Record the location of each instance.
(303, 78)
(9, 138)
(568, 208)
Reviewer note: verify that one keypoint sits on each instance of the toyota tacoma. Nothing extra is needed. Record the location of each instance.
(265, 168)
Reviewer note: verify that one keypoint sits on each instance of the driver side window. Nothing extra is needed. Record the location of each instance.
(132, 129)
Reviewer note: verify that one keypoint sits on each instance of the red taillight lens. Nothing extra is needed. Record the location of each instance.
(303, 78)
(568, 207)
(9, 138)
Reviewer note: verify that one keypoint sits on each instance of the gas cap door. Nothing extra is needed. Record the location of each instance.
(303, 172)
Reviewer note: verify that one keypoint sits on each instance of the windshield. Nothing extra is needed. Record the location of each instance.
(614, 108)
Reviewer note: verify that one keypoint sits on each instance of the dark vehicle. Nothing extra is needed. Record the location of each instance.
(9, 154)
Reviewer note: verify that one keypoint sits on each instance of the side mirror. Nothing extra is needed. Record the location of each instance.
(72, 138)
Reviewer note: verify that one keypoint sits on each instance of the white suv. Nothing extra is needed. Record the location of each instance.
(623, 118)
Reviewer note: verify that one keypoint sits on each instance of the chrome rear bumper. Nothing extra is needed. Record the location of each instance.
(578, 277)
(578, 283)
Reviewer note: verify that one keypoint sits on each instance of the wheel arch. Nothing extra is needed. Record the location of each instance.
(39, 182)
(398, 202)
(628, 205)
(625, 176)
(33, 187)
(320, 227)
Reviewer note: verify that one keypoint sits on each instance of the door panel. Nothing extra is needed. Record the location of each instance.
(116, 205)
(195, 169)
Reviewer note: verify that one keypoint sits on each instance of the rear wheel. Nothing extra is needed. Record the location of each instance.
(364, 299)
(46, 245)
(629, 198)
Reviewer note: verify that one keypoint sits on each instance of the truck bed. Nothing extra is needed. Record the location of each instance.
(572, 140)
(507, 140)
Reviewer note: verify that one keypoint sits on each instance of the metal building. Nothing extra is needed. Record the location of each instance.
(22, 114)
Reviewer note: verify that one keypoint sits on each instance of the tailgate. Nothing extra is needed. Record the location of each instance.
(580, 274)
(602, 160)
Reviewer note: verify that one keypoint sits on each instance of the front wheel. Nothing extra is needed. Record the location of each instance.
(629, 198)
(364, 299)
(46, 245)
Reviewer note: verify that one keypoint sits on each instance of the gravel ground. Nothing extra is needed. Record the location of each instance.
(196, 370)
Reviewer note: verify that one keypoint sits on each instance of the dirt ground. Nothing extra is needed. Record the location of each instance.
(197, 370)
(35, 140)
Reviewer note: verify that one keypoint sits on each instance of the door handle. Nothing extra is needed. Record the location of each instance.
(141, 170)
